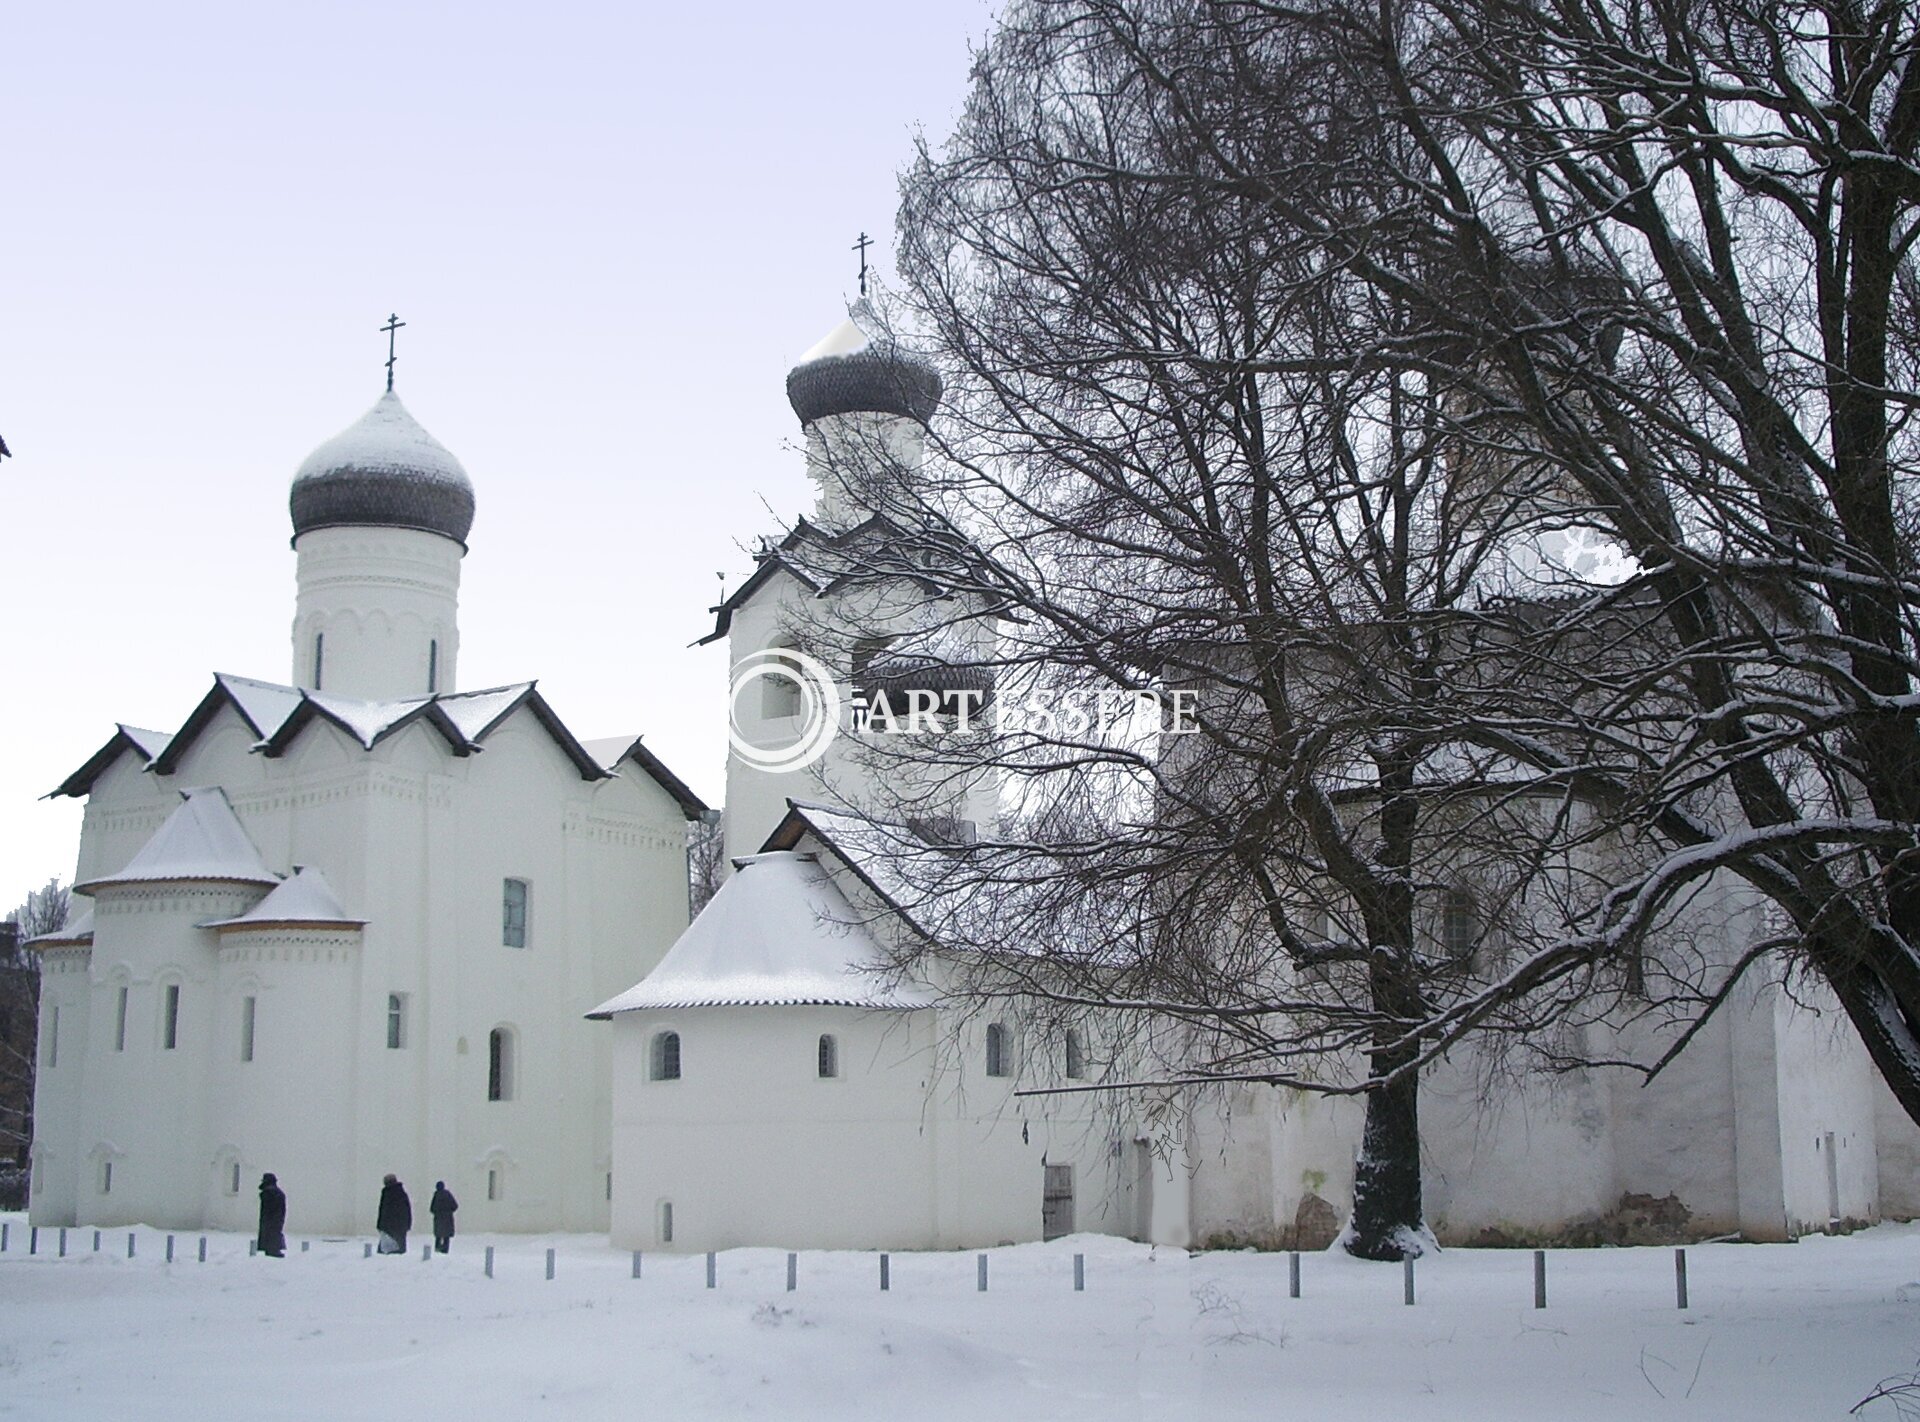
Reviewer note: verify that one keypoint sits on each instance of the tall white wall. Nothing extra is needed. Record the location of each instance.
(377, 608)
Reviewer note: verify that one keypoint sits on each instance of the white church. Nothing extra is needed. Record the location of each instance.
(779, 1082)
(364, 921)
(347, 924)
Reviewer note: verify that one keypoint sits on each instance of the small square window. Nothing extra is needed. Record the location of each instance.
(665, 1057)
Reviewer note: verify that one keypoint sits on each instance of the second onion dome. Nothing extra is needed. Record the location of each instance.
(859, 368)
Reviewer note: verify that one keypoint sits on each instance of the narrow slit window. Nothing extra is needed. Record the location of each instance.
(493, 1184)
(396, 1021)
(106, 1177)
(319, 657)
(1459, 925)
(829, 1063)
(248, 1007)
(500, 1065)
(513, 913)
(170, 1018)
(999, 1057)
(120, 1022)
(233, 1181)
(666, 1222)
(433, 668)
(53, 1035)
(1076, 1057)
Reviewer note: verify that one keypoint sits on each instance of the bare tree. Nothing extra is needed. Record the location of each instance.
(44, 911)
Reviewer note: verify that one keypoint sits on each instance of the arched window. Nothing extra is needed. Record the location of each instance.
(665, 1064)
(500, 1064)
(1459, 925)
(999, 1051)
(829, 1055)
(1076, 1058)
(170, 1018)
(779, 691)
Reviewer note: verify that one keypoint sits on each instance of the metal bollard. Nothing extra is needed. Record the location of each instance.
(489, 1261)
(129, 1244)
(1680, 1278)
(169, 1249)
(63, 1241)
(709, 1268)
(33, 1239)
(253, 1247)
(636, 1263)
(366, 1251)
(6, 1228)
(983, 1273)
(203, 1249)
(1539, 1278)
(305, 1245)
(793, 1272)
(1079, 1273)
(1293, 1275)
(885, 1281)
(1407, 1264)
(549, 1263)
(96, 1241)
(426, 1253)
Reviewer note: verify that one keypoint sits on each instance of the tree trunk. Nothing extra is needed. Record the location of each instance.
(1388, 1220)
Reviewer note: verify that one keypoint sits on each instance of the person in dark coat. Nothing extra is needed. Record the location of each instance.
(442, 1208)
(395, 1217)
(273, 1217)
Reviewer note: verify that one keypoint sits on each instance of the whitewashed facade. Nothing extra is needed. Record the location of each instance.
(349, 926)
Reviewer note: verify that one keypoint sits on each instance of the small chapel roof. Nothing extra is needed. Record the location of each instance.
(306, 900)
(383, 470)
(125, 740)
(77, 929)
(778, 933)
(859, 367)
(201, 841)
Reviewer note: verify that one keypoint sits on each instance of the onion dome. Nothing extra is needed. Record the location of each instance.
(858, 367)
(384, 470)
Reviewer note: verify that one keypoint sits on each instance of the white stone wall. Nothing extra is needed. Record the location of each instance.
(386, 602)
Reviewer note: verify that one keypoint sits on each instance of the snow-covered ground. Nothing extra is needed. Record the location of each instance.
(1782, 1331)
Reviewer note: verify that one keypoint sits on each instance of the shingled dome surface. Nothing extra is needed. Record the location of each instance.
(383, 470)
(858, 368)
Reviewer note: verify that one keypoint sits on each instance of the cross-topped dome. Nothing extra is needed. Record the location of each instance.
(857, 367)
(383, 470)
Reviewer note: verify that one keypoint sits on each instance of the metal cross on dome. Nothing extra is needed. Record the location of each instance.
(861, 247)
(394, 323)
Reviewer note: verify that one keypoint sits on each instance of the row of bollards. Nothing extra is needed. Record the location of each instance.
(886, 1272)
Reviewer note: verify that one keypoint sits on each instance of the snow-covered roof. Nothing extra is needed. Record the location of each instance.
(779, 932)
(385, 470)
(612, 752)
(125, 740)
(201, 841)
(277, 714)
(77, 929)
(306, 900)
(148, 743)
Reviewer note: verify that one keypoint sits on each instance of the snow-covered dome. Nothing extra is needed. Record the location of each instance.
(858, 367)
(383, 469)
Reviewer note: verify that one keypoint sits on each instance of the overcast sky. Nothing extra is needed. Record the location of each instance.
(610, 228)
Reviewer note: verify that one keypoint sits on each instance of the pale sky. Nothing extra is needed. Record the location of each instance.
(610, 228)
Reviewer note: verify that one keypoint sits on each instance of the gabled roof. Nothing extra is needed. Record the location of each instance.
(77, 930)
(200, 842)
(306, 900)
(823, 560)
(778, 933)
(614, 751)
(875, 852)
(277, 714)
(125, 740)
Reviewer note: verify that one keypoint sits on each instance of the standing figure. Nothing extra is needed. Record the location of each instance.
(395, 1217)
(273, 1217)
(442, 1209)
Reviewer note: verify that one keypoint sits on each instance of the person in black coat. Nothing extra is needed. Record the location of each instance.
(273, 1217)
(442, 1207)
(395, 1217)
